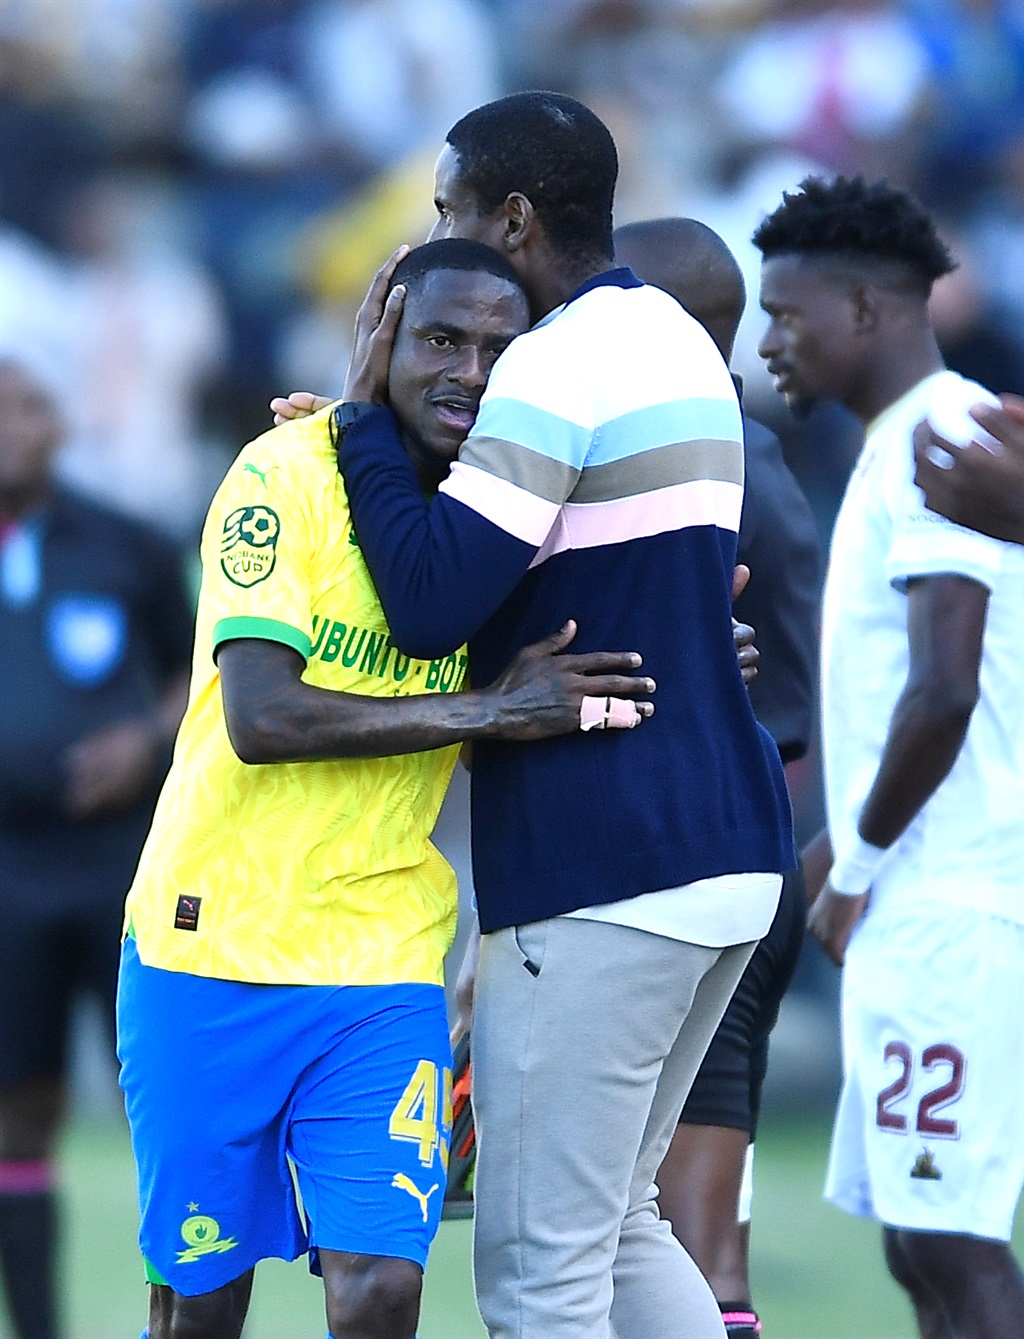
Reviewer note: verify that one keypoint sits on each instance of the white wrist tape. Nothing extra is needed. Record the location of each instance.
(853, 872)
(608, 713)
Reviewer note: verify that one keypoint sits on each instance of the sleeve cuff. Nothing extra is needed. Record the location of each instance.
(262, 629)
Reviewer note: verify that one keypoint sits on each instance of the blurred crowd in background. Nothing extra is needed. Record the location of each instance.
(194, 193)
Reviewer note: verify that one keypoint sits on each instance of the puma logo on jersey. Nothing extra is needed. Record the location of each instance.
(402, 1182)
(260, 474)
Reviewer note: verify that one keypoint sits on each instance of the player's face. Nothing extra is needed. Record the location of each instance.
(29, 432)
(454, 326)
(809, 342)
(458, 210)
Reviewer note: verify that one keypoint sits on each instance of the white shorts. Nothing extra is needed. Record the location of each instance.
(929, 1134)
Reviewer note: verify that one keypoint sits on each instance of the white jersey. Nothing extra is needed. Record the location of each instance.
(966, 846)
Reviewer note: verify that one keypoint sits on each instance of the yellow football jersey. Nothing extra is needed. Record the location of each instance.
(309, 873)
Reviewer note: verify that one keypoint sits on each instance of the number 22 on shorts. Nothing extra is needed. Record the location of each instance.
(414, 1118)
(943, 1095)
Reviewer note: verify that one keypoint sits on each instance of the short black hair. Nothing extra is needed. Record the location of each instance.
(454, 253)
(859, 221)
(446, 253)
(553, 150)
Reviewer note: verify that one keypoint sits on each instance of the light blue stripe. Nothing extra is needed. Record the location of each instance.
(642, 429)
(551, 436)
(665, 424)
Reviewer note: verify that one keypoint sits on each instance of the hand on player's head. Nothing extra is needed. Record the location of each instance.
(376, 325)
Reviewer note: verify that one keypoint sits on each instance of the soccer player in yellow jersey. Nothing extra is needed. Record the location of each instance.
(281, 995)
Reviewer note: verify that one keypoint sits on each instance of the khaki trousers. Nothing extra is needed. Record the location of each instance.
(586, 1038)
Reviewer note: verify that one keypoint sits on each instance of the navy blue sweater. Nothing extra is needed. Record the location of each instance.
(630, 529)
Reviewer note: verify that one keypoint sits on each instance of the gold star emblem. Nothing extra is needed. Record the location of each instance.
(193, 1208)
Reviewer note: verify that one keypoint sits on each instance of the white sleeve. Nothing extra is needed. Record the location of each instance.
(923, 542)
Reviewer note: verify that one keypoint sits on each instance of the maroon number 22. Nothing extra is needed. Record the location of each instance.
(933, 1101)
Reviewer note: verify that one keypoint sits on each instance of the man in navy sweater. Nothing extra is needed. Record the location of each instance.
(621, 889)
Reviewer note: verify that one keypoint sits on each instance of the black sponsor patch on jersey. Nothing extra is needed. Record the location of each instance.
(186, 917)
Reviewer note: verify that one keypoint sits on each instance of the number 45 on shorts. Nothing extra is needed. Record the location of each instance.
(942, 1058)
(415, 1117)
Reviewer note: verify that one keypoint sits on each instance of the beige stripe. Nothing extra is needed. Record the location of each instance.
(661, 467)
(519, 465)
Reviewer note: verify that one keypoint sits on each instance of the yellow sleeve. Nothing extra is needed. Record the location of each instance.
(258, 543)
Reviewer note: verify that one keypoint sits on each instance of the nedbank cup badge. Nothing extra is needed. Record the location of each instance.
(248, 547)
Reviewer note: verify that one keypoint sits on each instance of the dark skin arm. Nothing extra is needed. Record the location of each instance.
(945, 626)
(815, 862)
(273, 716)
(982, 491)
(367, 380)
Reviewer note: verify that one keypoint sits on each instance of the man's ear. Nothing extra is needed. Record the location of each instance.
(865, 300)
(520, 220)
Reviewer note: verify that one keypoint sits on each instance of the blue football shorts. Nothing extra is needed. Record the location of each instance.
(267, 1120)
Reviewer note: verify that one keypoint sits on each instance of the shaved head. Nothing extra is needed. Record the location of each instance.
(692, 264)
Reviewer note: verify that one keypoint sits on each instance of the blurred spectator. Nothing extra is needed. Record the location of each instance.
(262, 167)
(336, 252)
(995, 223)
(293, 105)
(33, 297)
(250, 101)
(114, 58)
(841, 83)
(969, 335)
(646, 67)
(821, 446)
(48, 146)
(96, 633)
(150, 338)
(742, 187)
(975, 105)
(392, 75)
(391, 110)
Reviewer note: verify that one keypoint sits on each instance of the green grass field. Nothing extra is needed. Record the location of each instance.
(816, 1271)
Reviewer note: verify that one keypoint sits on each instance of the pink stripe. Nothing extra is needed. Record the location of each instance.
(505, 505)
(747, 1318)
(701, 502)
(25, 1178)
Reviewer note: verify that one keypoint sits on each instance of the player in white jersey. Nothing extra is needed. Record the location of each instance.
(920, 875)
